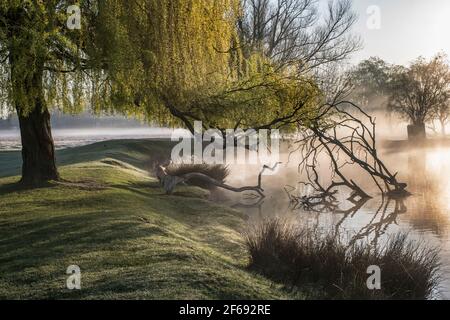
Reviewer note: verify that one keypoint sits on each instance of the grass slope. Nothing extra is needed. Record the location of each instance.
(130, 240)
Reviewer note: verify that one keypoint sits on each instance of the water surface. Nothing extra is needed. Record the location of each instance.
(425, 215)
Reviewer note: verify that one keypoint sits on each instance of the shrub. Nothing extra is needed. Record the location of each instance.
(326, 267)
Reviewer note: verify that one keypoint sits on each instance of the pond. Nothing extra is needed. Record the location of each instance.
(425, 215)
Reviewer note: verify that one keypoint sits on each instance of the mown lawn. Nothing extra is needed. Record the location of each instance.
(130, 240)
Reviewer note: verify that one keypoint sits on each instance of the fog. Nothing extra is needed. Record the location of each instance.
(424, 215)
(65, 138)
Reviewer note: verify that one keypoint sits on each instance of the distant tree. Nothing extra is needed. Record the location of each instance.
(442, 115)
(297, 32)
(371, 83)
(417, 92)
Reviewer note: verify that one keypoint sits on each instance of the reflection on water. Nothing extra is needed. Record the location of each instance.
(425, 216)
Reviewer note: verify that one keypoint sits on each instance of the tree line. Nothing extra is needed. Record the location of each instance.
(419, 92)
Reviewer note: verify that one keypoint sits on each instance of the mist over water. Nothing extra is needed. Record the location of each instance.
(425, 215)
(77, 130)
(68, 138)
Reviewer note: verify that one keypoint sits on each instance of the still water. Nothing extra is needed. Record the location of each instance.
(425, 215)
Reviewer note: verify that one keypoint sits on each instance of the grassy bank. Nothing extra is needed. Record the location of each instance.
(130, 240)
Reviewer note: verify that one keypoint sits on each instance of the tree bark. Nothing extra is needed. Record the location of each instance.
(26, 76)
(38, 150)
(417, 132)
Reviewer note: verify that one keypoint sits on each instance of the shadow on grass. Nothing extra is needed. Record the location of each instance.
(14, 187)
(141, 153)
(153, 188)
(43, 240)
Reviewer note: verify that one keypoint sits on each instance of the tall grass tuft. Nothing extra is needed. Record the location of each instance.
(326, 267)
(217, 172)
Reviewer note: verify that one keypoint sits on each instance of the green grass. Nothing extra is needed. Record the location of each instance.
(130, 240)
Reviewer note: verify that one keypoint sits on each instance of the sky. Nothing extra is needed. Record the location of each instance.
(405, 29)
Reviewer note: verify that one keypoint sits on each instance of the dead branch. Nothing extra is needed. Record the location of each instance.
(169, 182)
(345, 135)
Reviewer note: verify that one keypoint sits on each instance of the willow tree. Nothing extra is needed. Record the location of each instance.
(38, 54)
(127, 54)
(184, 62)
(419, 90)
(176, 53)
(172, 61)
(276, 55)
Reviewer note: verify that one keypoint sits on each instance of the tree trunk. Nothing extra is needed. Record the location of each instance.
(443, 128)
(26, 76)
(38, 150)
(416, 132)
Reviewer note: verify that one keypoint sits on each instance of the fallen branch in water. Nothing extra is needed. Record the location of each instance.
(344, 135)
(169, 182)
